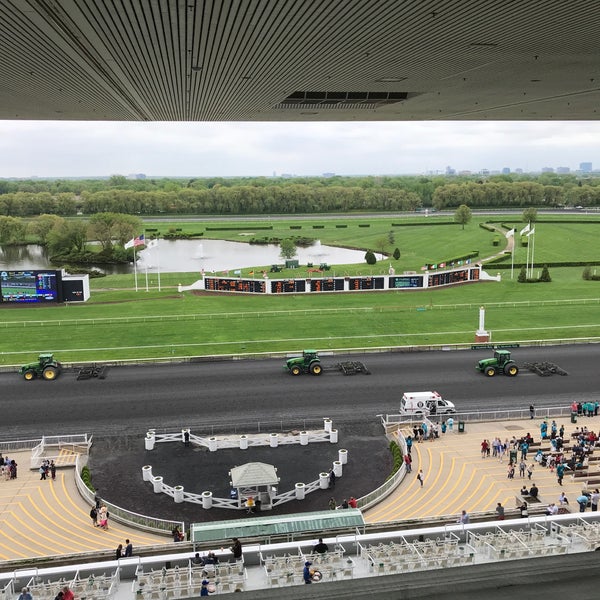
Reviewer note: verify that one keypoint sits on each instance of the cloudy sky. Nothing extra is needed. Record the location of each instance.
(54, 149)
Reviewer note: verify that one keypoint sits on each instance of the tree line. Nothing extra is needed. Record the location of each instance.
(239, 196)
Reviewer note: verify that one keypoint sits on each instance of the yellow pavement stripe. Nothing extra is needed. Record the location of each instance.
(127, 532)
(37, 533)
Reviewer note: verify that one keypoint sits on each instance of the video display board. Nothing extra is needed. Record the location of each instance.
(227, 284)
(405, 281)
(327, 285)
(30, 286)
(288, 286)
(366, 283)
(448, 277)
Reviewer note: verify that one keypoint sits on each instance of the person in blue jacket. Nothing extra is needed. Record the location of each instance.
(306, 573)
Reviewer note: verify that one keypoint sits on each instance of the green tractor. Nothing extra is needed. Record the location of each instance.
(46, 367)
(309, 362)
(501, 362)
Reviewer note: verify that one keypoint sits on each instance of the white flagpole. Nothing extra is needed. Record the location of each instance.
(135, 268)
(158, 265)
(532, 252)
(147, 277)
(527, 260)
(512, 260)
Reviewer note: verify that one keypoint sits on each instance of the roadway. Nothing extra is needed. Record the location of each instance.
(249, 391)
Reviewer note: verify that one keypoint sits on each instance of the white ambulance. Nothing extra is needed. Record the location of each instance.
(425, 403)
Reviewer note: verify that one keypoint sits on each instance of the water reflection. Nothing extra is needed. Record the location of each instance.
(190, 255)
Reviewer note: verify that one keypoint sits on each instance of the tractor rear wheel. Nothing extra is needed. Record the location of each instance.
(296, 370)
(490, 371)
(511, 369)
(29, 375)
(50, 373)
(316, 368)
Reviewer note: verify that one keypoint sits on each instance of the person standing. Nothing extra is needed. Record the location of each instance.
(236, 549)
(420, 477)
(522, 467)
(332, 504)
(321, 547)
(128, 548)
(353, 502)
(560, 473)
(595, 496)
(331, 479)
(53, 470)
(306, 574)
(500, 512)
(119, 552)
(25, 594)
(408, 463)
(186, 438)
(464, 518)
(94, 516)
(529, 471)
(531, 411)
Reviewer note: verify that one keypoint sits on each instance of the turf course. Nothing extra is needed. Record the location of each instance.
(120, 324)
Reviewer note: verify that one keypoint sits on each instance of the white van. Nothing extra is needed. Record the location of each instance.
(425, 403)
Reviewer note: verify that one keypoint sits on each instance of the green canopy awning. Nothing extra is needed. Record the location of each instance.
(282, 525)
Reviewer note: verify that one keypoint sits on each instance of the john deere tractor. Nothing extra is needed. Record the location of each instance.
(46, 367)
(309, 362)
(501, 362)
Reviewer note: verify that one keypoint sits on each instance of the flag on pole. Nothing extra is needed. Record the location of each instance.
(531, 232)
(509, 234)
(525, 229)
(134, 242)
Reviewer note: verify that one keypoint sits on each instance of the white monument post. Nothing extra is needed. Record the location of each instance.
(481, 335)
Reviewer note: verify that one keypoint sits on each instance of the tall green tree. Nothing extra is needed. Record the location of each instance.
(462, 215)
(529, 215)
(41, 226)
(287, 248)
(12, 230)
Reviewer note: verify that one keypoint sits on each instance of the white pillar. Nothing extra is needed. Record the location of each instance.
(337, 468)
(147, 473)
(327, 425)
(212, 444)
(243, 442)
(343, 456)
(157, 482)
(323, 480)
(150, 440)
(183, 433)
(300, 491)
(178, 493)
(333, 436)
(304, 438)
(206, 499)
(273, 440)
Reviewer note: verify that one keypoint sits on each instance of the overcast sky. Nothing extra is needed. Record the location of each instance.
(54, 148)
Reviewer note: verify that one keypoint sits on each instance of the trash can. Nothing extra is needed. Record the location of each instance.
(461, 427)
(573, 417)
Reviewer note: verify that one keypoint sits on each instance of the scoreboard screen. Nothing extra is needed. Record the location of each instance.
(405, 281)
(227, 284)
(288, 286)
(327, 285)
(31, 286)
(448, 278)
(366, 283)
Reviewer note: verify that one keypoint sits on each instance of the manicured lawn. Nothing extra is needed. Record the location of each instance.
(119, 323)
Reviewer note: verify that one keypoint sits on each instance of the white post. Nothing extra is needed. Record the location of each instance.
(333, 436)
(178, 493)
(135, 267)
(304, 438)
(323, 480)
(243, 442)
(273, 440)
(147, 473)
(343, 456)
(337, 468)
(212, 444)
(300, 491)
(327, 424)
(157, 482)
(207, 500)
(150, 440)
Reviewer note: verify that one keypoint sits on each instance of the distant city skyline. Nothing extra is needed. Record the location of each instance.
(100, 149)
